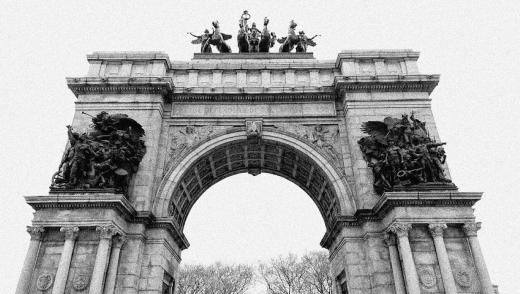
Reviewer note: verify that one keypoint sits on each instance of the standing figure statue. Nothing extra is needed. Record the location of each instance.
(291, 40)
(304, 41)
(218, 38)
(203, 40)
(254, 39)
(243, 33)
(268, 39)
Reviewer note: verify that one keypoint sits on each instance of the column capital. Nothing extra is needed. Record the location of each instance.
(471, 228)
(71, 233)
(389, 239)
(400, 229)
(36, 233)
(120, 241)
(437, 229)
(107, 232)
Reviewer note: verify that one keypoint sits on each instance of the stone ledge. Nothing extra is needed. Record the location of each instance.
(133, 85)
(371, 54)
(94, 199)
(172, 227)
(260, 55)
(82, 200)
(386, 83)
(129, 55)
(390, 200)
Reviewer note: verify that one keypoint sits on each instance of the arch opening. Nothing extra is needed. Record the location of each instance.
(253, 157)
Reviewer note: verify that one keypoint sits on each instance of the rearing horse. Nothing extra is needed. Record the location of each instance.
(267, 39)
(291, 40)
(218, 38)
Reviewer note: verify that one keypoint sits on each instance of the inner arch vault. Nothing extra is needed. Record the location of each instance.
(231, 154)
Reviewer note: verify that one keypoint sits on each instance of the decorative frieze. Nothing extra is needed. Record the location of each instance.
(463, 278)
(80, 282)
(427, 278)
(44, 282)
(324, 137)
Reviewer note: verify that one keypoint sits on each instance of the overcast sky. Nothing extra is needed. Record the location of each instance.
(472, 44)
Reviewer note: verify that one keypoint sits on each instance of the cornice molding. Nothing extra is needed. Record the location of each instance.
(391, 200)
(252, 94)
(172, 227)
(121, 85)
(386, 83)
(97, 200)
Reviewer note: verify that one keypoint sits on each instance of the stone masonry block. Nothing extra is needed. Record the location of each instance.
(382, 279)
(357, 270)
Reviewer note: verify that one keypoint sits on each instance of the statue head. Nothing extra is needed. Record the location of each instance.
(318, 128)
(302, 33)
(441, 151)
(253, 25)
(190, 129)
(292, 24)
(102, 114)
(206, 31)
(391, 142)
(215, 23)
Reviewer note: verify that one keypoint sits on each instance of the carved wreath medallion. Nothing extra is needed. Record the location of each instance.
(463, 278)
(427, 278)
(80, 282)
(44, 282)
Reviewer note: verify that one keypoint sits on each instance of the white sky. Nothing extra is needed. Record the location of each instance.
(472, 44)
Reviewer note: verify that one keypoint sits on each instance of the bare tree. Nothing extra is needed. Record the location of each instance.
(316, 265)
(283, 275)
(217, 278)
(193, 279)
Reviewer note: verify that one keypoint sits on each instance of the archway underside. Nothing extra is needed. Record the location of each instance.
(253, 157)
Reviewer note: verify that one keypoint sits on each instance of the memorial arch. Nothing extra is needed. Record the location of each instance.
(150, 135)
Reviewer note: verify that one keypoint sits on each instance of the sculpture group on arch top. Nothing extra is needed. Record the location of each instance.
(105, 157)
(252, 40)
(402, 155)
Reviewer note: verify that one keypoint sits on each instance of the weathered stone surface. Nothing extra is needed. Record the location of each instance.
(195, 115)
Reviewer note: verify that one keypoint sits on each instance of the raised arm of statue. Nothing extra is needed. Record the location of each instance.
(195, 35)
(71, 136)
(430, 145)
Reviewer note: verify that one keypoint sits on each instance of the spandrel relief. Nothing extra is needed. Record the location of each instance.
(325, 137)
(181, 138)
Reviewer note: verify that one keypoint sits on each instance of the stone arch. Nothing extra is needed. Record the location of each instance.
(230, 153)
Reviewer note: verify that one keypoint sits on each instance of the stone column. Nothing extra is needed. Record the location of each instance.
(410, 272)
(391, 242)
(71, 234)
(442, 256)
(110, 284)
(485, 281)
(30, 259)
(100, 265)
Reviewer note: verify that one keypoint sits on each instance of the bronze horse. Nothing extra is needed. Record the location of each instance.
(218, 38)
(291, 40)
(267, 39)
